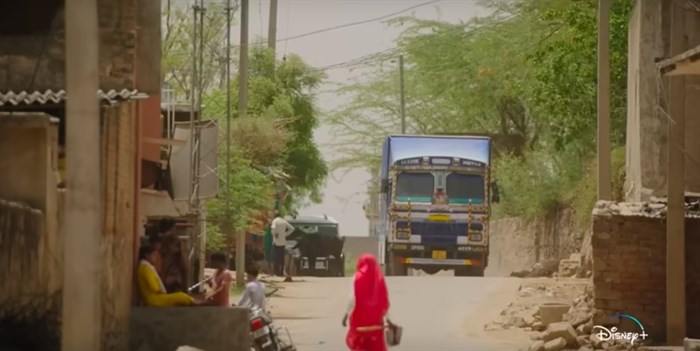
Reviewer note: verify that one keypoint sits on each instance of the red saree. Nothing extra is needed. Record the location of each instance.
(371, 305)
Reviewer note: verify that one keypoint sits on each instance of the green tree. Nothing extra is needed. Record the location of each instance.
(274, 143)
(528, 68)
(178, 47)
(283, 91)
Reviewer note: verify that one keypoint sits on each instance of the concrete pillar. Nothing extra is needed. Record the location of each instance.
(82, 317)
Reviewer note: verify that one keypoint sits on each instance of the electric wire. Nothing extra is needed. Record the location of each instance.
(383, 55)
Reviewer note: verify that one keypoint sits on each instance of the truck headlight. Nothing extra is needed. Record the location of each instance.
(475, 237)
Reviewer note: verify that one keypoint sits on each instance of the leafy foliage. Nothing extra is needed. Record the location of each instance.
(178, 47)
(529, 69)
(283, 94)
(251, 193)
(273, 144)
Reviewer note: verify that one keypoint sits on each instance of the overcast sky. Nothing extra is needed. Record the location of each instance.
(344, 197)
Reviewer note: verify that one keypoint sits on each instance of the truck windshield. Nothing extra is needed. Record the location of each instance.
(464, 187)
(415, 187)
(314, 228)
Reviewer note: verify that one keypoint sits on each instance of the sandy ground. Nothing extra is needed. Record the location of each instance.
(437, 312)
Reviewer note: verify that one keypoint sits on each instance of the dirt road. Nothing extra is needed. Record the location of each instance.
(437, 312)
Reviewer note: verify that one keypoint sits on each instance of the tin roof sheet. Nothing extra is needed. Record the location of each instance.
(12, 98)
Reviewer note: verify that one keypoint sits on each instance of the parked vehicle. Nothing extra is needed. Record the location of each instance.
(316, 246)
(437, 196)
(265, 336)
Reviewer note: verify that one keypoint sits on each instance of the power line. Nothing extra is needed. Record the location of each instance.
(384, 54)
(352, 24)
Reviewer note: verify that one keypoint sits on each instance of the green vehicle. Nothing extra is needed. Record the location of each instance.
(316, 246)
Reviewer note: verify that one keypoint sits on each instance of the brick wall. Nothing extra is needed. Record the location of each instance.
(37, 62)
(629, 269)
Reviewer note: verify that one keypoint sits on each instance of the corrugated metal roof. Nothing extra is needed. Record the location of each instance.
(56, 97)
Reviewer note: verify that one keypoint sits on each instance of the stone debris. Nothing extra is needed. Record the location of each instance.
(188, 348)
(559, 326)
(575, 331)
(571, 267)
(539, 269)
(555, 344)
(561, 330)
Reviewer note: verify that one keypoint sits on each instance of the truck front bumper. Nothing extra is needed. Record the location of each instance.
(438, 255)
(438, 262)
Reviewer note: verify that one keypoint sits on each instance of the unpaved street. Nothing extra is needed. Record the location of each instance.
(437, 312)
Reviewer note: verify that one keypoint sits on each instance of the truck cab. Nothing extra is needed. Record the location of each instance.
(436, 204)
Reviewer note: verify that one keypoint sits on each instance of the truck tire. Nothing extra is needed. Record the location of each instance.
(462, 272)
(394, 268)
(341, 265)
(431, 270)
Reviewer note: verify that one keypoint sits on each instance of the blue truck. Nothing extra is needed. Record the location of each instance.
(436, 201)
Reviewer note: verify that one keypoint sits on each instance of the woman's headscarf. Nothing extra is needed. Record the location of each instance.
(370, 288)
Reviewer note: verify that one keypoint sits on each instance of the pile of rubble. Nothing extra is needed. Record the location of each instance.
(561, 326)
(566, 268)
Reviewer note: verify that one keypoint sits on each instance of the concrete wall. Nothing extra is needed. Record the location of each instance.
(32, 248)
(357, 245)
(517, 244)
(31, 245)
(649, 39)
(629, 274)
(37, 62)
(206, 328)
(645, 126)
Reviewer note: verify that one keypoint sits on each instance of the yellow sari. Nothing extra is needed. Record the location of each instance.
(153, 292)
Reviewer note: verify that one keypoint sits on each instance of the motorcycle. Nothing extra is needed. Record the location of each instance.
(265, 337)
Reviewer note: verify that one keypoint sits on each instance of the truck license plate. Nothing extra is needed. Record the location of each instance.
(438, 218)
(439, 255)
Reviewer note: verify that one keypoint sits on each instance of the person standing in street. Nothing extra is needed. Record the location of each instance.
(368, 307)
(222, 281)
(280, 230)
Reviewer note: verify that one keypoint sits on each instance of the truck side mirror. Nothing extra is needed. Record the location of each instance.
(495, 196)
(385, 186)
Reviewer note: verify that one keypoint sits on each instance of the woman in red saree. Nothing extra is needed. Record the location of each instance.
(368, 307)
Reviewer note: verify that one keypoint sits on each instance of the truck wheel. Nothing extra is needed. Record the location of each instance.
(341, 264)
(477, 271)
(394, 268)
(462, 272)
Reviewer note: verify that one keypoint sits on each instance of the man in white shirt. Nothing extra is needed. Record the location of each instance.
(280, 230)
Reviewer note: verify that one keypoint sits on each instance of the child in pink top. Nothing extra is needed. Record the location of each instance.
(222, 281)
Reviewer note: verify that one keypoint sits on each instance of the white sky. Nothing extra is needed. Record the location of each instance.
(344, 197)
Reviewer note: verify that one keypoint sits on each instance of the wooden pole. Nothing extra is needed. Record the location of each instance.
(675, 219)
(272, 27)
(603, 140)
(403, 96)
(82, 314)
(242, 110)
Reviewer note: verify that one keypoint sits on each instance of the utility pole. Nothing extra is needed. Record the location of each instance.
(242, 110)
(272, 28)
(403, 96)
(675, 217)
(82, 306)
(604, 163)
(228, 120)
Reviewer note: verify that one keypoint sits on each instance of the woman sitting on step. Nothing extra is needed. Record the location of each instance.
(150, 285)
